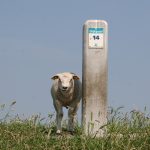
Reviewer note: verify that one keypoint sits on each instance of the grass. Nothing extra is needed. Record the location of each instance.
(125, 131)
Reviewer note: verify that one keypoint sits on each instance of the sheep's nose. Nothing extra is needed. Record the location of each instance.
(64, 88)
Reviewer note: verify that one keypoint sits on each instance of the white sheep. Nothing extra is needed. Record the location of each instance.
(66, 92)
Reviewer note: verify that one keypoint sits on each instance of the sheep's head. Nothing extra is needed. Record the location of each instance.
(65, 80)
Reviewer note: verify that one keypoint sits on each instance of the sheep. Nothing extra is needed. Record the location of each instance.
(66, 92)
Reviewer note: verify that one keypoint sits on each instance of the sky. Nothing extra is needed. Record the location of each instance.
(39, 38)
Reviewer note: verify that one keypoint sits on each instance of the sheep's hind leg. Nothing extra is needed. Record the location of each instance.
(72, 112)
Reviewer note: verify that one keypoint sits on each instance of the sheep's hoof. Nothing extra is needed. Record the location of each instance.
(58, 132)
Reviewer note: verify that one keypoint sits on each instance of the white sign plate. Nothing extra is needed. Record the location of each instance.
(96, 37)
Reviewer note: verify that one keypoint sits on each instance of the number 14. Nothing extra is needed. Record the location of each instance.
(96, 37)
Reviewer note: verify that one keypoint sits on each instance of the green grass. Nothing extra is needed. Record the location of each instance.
(125, 131)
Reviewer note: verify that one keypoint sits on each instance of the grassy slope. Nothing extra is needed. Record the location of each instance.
(125, 132)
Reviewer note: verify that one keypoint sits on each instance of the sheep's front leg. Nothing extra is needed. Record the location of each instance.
(72, 112)
(59, 116)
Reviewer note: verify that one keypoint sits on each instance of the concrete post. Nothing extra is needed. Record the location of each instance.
(94, 70)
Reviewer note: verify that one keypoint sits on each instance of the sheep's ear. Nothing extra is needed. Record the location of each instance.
(55, 77)
(75, 77)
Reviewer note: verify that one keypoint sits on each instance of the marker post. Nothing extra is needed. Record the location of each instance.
(94, 80)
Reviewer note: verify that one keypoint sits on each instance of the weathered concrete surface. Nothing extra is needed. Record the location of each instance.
(94, 100)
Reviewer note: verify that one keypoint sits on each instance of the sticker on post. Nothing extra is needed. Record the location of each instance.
(96, 37)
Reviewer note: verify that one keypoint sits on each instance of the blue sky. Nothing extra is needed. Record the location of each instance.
(39, 38)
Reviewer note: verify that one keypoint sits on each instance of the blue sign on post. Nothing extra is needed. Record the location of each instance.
(96, 37)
